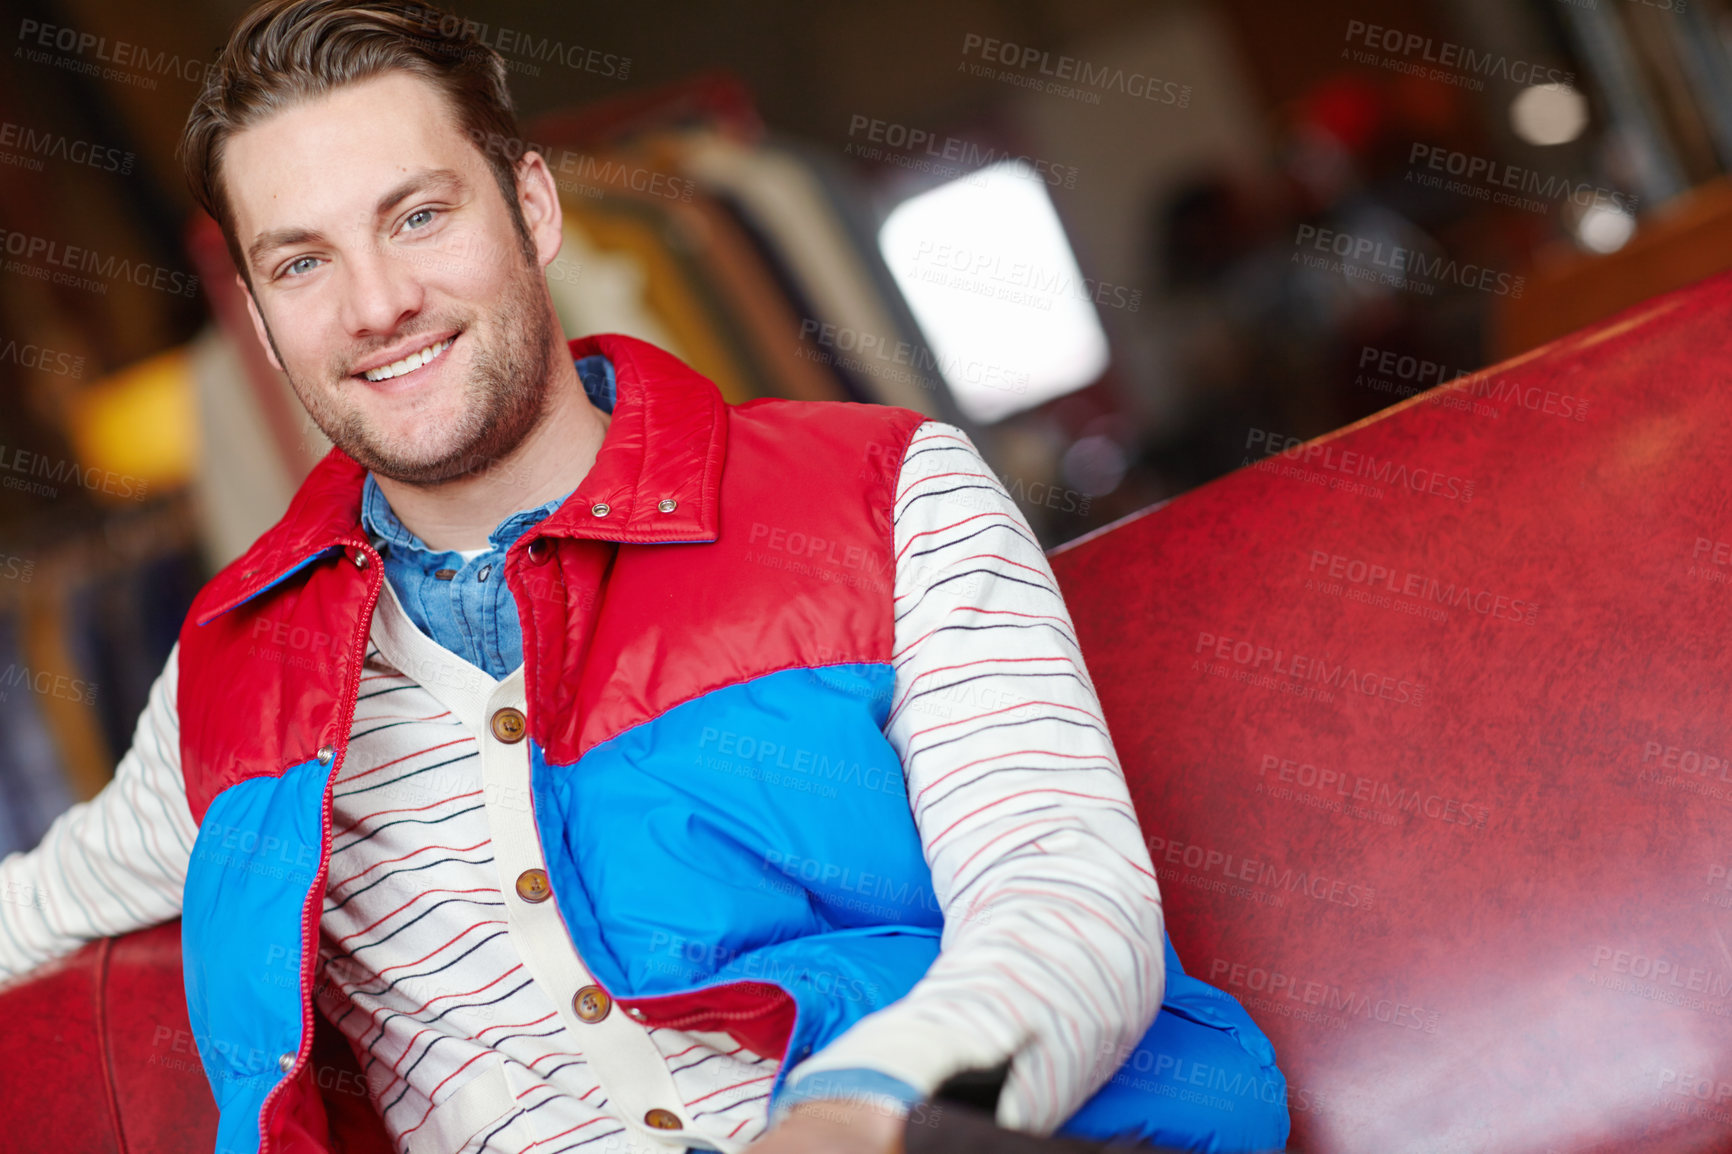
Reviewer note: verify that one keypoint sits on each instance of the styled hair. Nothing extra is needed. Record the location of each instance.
(285, 52)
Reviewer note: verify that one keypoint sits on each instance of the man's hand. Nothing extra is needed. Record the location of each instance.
(834, 1126)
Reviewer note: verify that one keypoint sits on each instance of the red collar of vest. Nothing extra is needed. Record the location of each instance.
(667, 441)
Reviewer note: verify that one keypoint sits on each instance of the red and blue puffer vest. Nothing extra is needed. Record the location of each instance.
(735, 591)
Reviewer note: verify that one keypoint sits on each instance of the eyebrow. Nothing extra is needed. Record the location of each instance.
(416, 181)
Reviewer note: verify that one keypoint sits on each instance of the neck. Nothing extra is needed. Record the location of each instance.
(549, 463)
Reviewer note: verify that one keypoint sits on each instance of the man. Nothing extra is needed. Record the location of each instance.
(613, 767)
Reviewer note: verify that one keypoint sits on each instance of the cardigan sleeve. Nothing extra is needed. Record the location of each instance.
(1052, 953)
(110, 865)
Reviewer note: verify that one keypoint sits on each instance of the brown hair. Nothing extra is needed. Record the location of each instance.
(284, 52)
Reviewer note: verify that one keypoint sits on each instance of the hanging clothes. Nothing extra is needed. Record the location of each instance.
(597, 290)
(791, 210)
(83, 641)
(243, 480)
(675, 290)
(67, 702)
(33, 789)
(737, 281)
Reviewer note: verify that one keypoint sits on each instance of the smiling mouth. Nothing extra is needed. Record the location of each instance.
(408, 364)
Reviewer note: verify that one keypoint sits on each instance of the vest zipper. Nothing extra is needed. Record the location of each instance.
(376, 578)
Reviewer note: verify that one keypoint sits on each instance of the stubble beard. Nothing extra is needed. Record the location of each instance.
(504, 399)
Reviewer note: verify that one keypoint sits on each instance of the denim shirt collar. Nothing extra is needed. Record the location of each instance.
(382, 524)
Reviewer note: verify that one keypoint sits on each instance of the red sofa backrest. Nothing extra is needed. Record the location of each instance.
(1429, 725)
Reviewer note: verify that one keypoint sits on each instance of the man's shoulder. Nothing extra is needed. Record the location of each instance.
(835, 412)
(825, 442)
(787, 423)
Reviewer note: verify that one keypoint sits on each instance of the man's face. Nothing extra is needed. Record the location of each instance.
(373, 229)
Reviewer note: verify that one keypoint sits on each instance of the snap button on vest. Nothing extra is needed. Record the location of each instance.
(286, 1062)
(326, 753)
(591, 1004)
(539, 550)
(532, 886)
(600, 508)
(667, 504)
(508, 725)
(662, 1119)
(360, 559)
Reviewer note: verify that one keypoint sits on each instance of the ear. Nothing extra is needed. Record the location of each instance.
(258, 324)
(538, 198)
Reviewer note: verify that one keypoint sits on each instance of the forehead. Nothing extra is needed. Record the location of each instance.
(322, 163)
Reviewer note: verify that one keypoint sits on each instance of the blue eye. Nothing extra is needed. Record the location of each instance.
(289, 269)
(417, 213)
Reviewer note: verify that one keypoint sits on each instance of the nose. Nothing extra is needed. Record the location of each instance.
(380, 292)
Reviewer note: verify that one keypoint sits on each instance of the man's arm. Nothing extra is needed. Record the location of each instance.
(110, 865)
(1052, 953)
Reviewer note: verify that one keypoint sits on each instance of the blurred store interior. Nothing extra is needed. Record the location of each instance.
(1128, 245)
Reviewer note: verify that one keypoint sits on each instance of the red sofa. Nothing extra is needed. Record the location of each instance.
(1429, 723)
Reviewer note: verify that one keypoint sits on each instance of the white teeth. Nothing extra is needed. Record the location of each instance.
(409, 363)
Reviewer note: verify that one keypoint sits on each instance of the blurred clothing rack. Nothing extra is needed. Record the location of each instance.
(87, 618)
